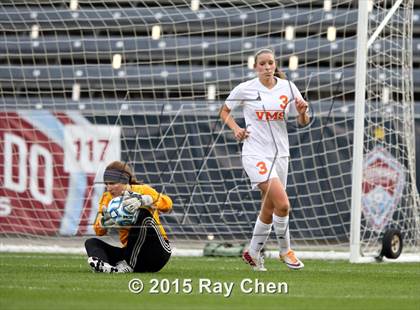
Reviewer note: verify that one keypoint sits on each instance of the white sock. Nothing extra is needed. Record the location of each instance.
(259, 237)
(281, 227)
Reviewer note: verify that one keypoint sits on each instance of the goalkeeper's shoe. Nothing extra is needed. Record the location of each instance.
(257, 263)
(123, 267)
(291, 260)
(98, 265)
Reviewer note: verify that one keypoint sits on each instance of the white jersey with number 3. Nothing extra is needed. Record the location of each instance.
(265, 111)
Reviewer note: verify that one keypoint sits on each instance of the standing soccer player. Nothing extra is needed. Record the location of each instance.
(267, 101)
(145, 246)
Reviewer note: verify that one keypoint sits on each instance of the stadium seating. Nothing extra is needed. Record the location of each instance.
(78, 46)
(180, 20)
(158, 77)
(176, 48)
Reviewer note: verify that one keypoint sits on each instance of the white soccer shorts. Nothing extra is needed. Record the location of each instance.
(262, 169)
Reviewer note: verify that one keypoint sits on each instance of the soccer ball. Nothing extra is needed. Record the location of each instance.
(119, 214)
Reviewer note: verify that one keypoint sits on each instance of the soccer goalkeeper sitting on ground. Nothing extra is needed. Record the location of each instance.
(133, 209)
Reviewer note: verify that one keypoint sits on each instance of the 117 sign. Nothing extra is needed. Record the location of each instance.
(87, 148)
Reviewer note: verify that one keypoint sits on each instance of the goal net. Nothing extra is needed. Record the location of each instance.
(84, 83)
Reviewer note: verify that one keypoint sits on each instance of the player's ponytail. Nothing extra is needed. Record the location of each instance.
(280, 74)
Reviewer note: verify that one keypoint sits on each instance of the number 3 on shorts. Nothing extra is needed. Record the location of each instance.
(263, 168)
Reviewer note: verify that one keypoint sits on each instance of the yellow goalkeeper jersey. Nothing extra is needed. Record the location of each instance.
(163, 204)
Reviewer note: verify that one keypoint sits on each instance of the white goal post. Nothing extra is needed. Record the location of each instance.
(361, 139)
(84, 83)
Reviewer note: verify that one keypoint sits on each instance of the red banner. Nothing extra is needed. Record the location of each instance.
(46, 189)
(34, 182)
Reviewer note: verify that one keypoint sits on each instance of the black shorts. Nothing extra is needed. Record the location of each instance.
(146, 251)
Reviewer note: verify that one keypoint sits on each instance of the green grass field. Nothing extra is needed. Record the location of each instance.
(37, 281)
